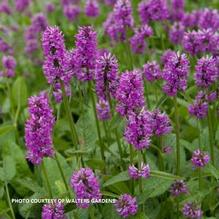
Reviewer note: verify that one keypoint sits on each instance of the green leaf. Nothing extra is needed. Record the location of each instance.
(123, 176)
(54, 174)
(8, 171)
(19, 92)
(6, 129)
(96, 164)
(164, 175)
(140, 215)
(153, 187)
(214, 172)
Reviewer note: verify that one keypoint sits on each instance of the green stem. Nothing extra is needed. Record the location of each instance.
(131, 162)
(106, 133)
(211, 140)
(97, 121)
(9, 200)
(74, 136)
(146, 94)
(177, 130)
(62, 175)
(47, 180)
(199, 177)
(139, 167)
(160, 155)
(119, 147)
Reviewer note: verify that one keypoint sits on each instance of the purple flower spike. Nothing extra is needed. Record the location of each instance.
(71, 11)
(138, 129)
(137, 41)
(145, 171)
(38, 129)
(133, 172)
(150, 10)
(178, 187)
(4, 7)
(176, 33)
(119, 20)
(175, 72)
(136, 173)
(103, 110)
(191, 211)
(54, 52)
(209, 19)
(50, 7)
(53, 211)
(200, 158)
(177, 10)
(161, 123)
(106, 75)
(85, 53)
(92, 8)
(21, 5)
(85, 186)
(192, 43)
(206, 72)
(130, 92)
(152, 71)
(126, 205)
(9, 63)
(200, 106)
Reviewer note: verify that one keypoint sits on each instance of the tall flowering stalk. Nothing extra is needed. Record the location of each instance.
(38, 132)
(38, 129)
(85, 54)
(56, 69)
(119, 21)
(53, 211)
(130, 92)
(86, 186)
(175, 73)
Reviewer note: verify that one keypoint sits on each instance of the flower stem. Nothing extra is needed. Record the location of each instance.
(74, 136)
(9, 200)
(177, 130)
(139, 167)
(119, 147)
(47, 180)
(131, 161)
(62, 175)
(106, 133)
(160, 155)
(211, 140)
(97, 122)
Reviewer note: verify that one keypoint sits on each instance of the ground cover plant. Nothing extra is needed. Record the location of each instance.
(109, 109)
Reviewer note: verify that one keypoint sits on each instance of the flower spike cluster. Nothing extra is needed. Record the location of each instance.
(192, 211)
(138, 129)
(119, 20)
(153, 10)
(137, 41)
(178, 187)
(175, 72)
(200, 158)
(130, 92)
(38, 129)
(136, 173)
(9, 64)
(53, 211)
(126, 205)
(106, 75)
(85, 185)
(92, 8)
(85, 54)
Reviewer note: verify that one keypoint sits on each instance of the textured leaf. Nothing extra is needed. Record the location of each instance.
(19, 92)
(123, 176)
